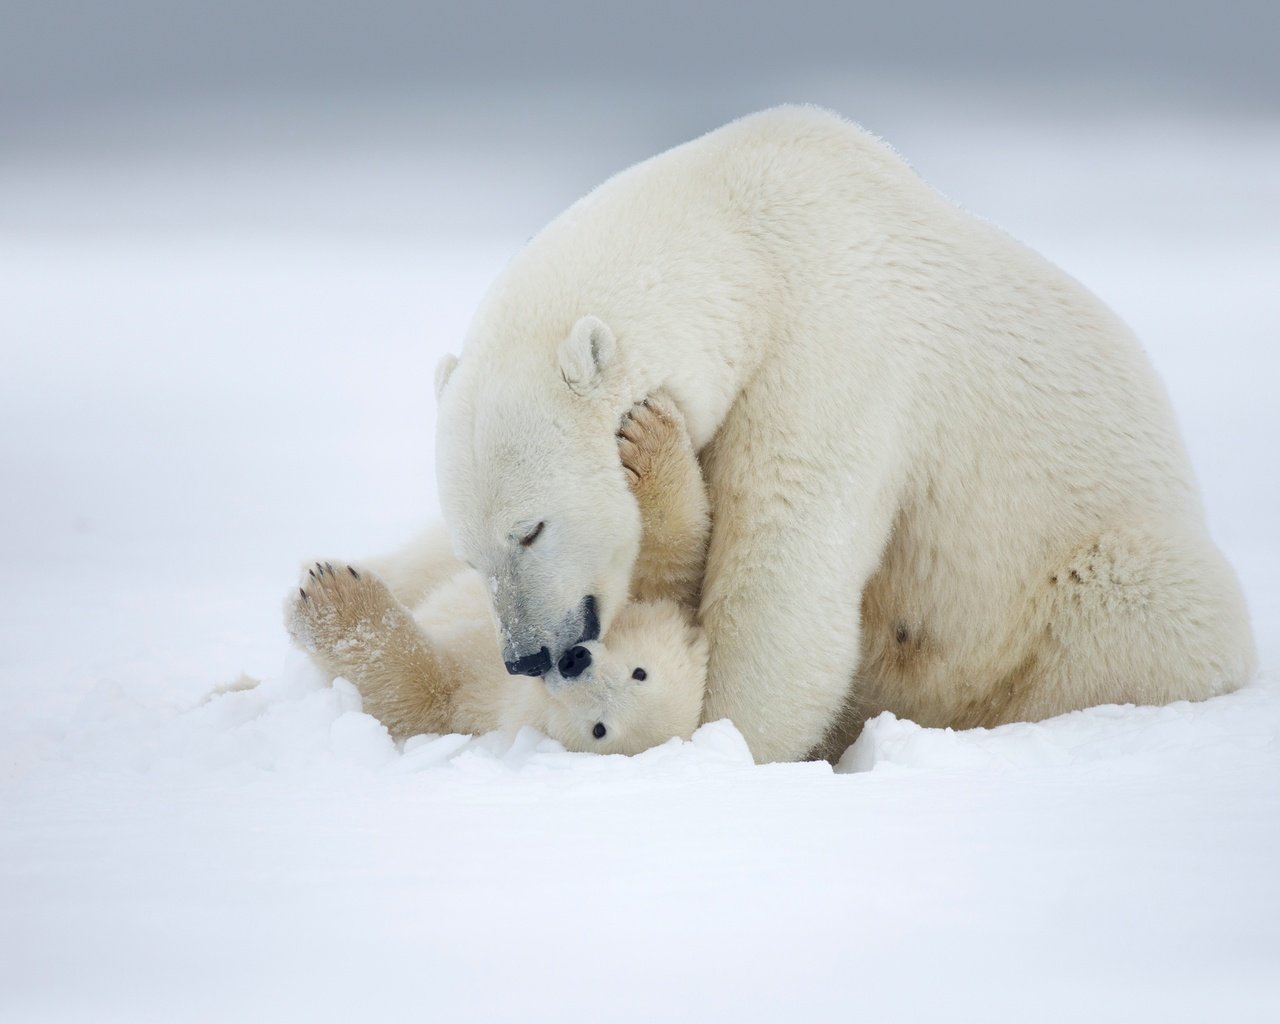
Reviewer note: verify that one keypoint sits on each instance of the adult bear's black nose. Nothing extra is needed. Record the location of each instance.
(574, 662)
(531, 664)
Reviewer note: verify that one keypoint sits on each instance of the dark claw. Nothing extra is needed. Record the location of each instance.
(304, 594)
(353, 572)
(329, 567)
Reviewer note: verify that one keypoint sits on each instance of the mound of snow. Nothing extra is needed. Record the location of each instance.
(1241, 722)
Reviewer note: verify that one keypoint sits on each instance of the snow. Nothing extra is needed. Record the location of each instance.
(218, 362)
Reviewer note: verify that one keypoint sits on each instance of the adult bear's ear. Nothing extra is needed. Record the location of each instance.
(444, 370)
(585, 353)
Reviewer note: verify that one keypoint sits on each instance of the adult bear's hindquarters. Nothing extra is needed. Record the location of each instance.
(1141, 614)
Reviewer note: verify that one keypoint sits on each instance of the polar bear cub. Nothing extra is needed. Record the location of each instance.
(421, 645)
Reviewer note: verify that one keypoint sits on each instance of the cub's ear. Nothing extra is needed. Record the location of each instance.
(585, 353)
(444, 370)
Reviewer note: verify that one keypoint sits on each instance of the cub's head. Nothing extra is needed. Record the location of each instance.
(534, 493)
(639, 688)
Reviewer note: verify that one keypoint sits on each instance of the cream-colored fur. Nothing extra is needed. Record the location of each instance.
(675, 522)
(436, 668)
(944, 478)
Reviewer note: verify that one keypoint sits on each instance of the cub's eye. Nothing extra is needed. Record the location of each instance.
(599, 731)
(639, 675)
(532, 535)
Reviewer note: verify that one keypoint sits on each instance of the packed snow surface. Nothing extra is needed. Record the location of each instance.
(218, 363)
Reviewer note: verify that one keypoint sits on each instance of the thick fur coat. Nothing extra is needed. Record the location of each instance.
(944, 478)
(416, 633)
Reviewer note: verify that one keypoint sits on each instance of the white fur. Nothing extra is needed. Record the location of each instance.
(945, 480)
(444, 370)
(435, 667)
(415, 632)
(585, 354)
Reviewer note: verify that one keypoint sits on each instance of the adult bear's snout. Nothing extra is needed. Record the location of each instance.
(538, 664)
(523, 658)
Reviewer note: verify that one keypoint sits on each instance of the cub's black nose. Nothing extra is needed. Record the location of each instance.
(574, 662)
(531, 664)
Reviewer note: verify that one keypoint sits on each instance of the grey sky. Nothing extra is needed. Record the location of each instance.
(59, 54)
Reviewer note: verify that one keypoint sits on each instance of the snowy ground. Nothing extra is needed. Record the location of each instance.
(217, 360)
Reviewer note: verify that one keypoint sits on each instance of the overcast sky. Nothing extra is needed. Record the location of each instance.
(56, 54)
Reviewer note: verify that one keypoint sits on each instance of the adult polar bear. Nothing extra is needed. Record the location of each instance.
(945, 481)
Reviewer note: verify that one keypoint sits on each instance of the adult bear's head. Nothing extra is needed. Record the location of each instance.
(533, 491)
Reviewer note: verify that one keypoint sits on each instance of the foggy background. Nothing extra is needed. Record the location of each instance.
(528, 105)
(60, 54)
